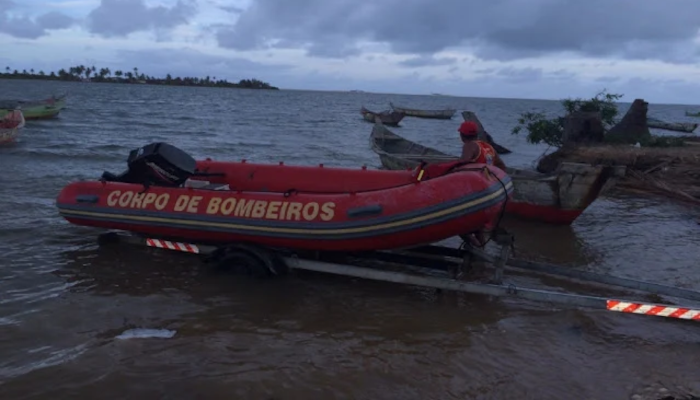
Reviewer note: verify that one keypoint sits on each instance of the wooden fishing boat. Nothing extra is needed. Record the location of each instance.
(35, 109)
(166, 193)
(692, 114)
(432, 114)
(390, 118)
(686, 127)
(558, 198)
(10, 126)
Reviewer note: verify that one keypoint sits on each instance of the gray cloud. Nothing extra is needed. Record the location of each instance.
(55, 20)
(486, 71)
(513, 75)
(521, 75)
(225, 5)
(517, 75)
(428, 61)
(496, 29)
(562, 73)
(608, 79)
(668, 91)
(121, 17)
(597, 26)
(232, 9)
(27, 28)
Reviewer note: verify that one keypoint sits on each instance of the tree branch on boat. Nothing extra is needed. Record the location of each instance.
(92, 74)
(589, 133)
(551, 130)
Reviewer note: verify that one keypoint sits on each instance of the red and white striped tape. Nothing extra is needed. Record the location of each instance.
(654, 309)
(165, 244)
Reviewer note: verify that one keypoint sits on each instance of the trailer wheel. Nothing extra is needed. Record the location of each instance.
(250, 260)
(107, 238)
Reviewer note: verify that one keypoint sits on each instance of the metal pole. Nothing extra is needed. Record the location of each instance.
(599, 303)
(649, 287)
(446, 284)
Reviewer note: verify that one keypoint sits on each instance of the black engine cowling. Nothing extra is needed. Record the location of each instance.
(157, 164)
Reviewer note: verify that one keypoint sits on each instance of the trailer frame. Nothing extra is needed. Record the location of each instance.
(455, 263)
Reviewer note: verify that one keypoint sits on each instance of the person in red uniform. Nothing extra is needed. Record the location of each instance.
(480, 152)
(475, 150)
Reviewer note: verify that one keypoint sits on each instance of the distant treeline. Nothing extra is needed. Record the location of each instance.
(92, 74)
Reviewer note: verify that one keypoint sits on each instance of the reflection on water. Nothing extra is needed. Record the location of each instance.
(544, 242)
(128, 270)
(117, 270)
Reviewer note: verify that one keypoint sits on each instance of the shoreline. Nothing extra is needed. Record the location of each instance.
(104, 75)
(141, 84)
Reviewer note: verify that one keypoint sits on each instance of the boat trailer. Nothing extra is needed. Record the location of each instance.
(447, 269)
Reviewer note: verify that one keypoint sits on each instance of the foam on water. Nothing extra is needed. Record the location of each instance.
(145, 333)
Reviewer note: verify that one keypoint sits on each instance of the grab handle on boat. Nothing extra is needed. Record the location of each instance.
(365, 211)
(87, 198)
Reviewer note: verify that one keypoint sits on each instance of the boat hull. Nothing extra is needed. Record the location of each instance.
(8, 136)
(388, 118)
(42, 113)
(686, 127)
(10, 126)
(294, 207)
(559, 198)
(429, 114)
(36, 110)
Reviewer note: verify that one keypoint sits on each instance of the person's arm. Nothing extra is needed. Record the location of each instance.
(470, 151)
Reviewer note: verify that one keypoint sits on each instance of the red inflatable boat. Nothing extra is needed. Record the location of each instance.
(166, 193)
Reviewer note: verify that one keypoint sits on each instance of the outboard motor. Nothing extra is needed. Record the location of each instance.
(157, 164)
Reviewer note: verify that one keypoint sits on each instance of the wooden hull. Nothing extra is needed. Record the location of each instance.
(559, 198)
(10, 126)
(297, 207)
(8, 136)
(390, 118)
(430, 114)
(33, 110)
(686, 127)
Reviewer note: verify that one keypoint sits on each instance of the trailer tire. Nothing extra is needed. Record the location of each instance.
(107, 238)
(251, 261)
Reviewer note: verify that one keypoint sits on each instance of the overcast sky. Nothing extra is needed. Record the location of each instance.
(494, 48)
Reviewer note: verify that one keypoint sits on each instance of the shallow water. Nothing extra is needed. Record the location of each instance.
(63, 302)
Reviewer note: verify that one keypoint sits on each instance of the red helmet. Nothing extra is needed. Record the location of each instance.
(468, 128)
